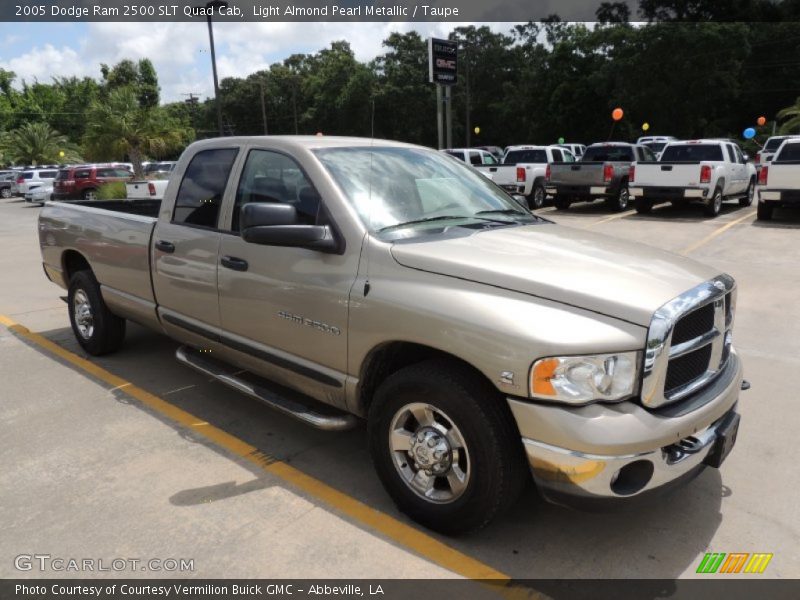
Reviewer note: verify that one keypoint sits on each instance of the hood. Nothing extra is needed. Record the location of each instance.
(625, 280)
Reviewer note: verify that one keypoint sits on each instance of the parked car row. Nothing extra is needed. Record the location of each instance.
(654, 170)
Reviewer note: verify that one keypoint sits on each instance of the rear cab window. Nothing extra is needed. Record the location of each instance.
(790, 153)
(608, 154)
(200, 195)
(514, 157)
(692, 153)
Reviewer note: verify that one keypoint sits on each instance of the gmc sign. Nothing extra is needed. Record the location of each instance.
(442, 61)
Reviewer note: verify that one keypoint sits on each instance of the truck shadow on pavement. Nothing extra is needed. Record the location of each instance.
(533, 540)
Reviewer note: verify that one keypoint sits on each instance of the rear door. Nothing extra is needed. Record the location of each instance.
(186, 247)
(286, 307)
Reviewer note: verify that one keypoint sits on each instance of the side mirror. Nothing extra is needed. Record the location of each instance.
(275, 224)
(746, 157)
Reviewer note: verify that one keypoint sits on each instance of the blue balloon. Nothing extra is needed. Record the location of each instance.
(749, 133)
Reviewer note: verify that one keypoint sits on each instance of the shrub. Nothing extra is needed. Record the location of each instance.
(112, 191)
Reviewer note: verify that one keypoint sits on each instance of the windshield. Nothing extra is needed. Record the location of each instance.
(394, 187)
(692, 153)
(607, 153)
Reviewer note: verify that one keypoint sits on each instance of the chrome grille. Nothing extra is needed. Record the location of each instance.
(689, 342)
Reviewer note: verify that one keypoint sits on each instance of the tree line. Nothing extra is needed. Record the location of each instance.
(534, 83)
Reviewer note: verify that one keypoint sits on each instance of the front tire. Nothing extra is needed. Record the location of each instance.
(5, 193)
(713, 205)
(96, 328)
(445, 446)
(536, 199)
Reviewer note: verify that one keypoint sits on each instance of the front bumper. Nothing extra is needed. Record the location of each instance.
(604, 453)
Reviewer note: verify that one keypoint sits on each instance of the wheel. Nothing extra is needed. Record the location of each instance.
(90, 195)
(620, 202)
(714, 204)
(5, 193)
(561, 203)
(643, 206)
(445, 446)
(764, 211)
(96, 328)
(536, 199)
(748, 199)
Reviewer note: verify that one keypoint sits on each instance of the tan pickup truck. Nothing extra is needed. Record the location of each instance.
(339, 279)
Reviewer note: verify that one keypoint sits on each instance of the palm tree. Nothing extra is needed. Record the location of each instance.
(792, 114)
(37, 143)
(120, 126)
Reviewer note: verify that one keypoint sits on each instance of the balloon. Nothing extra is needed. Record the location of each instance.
(749, 133)
(477, 130)
(61, 153)
(617, 114)
(561, 140)
(761, 121)
(645, 126)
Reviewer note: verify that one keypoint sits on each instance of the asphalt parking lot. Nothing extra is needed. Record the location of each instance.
(135, 456)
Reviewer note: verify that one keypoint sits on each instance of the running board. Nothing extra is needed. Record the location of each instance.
(320, 416)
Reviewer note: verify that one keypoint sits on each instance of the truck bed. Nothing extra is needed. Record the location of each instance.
(668, 174)
(576, 173)
(114, 236)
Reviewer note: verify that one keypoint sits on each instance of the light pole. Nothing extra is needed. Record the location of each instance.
(211, 7)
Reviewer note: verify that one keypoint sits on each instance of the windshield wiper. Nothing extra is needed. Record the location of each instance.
(425, 220)
(502, 211)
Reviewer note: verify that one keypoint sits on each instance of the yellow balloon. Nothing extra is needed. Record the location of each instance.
(645, 126)
(61, 154)
(477, 130)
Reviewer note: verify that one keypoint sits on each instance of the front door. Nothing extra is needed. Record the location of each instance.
(287, 307)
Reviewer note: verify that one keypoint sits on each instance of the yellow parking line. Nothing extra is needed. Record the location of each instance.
(715, 233)
(611, 218)
(421, 543)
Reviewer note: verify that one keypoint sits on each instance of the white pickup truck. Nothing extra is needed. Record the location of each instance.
(523, 170)
(779, 181)
(152, 189)
(707, 171)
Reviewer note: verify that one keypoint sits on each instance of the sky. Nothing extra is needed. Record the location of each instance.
(180, 51)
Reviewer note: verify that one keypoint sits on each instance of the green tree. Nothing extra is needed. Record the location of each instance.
(36, 144)
(120, 127)
(791, 114)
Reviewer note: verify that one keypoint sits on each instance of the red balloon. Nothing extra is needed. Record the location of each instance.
(617, 114)
(761, 121)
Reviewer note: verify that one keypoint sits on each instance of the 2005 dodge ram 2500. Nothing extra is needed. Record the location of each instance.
(387, 281)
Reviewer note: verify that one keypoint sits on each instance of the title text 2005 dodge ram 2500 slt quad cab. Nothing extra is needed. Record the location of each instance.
(390, 282)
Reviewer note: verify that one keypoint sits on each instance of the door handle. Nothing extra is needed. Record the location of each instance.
(167, 247)
(231, 262)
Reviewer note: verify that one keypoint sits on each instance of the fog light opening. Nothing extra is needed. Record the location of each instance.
(632, 477)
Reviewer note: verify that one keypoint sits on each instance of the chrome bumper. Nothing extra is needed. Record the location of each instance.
(623, 450)
(563, 475)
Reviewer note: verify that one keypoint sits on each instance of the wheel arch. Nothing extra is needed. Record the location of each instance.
(73, 261)
(389, 357)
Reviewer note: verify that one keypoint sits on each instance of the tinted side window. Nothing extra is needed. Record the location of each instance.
(790, 152)
(273, 177)
(474, 158)
(488, 159)
(557, 156)
(83, 174)
(105, 172)
(200, 195)
(47, 174)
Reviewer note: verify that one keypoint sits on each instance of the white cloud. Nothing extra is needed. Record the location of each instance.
(180, 51)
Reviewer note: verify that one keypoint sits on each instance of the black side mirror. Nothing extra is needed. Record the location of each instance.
(276, 224)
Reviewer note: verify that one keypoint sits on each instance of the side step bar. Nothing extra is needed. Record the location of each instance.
(321, 417)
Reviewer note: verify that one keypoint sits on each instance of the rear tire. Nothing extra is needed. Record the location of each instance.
(713, 205)
(561, 203)
(96, 328)
(620, 202)
(5, 193)
(748, 198)
(436, 409)
(537, 197)
(764, 211)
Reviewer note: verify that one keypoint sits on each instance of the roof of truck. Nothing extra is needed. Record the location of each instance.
(304, 141)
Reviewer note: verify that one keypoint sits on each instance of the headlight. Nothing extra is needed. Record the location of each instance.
(583, 379)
